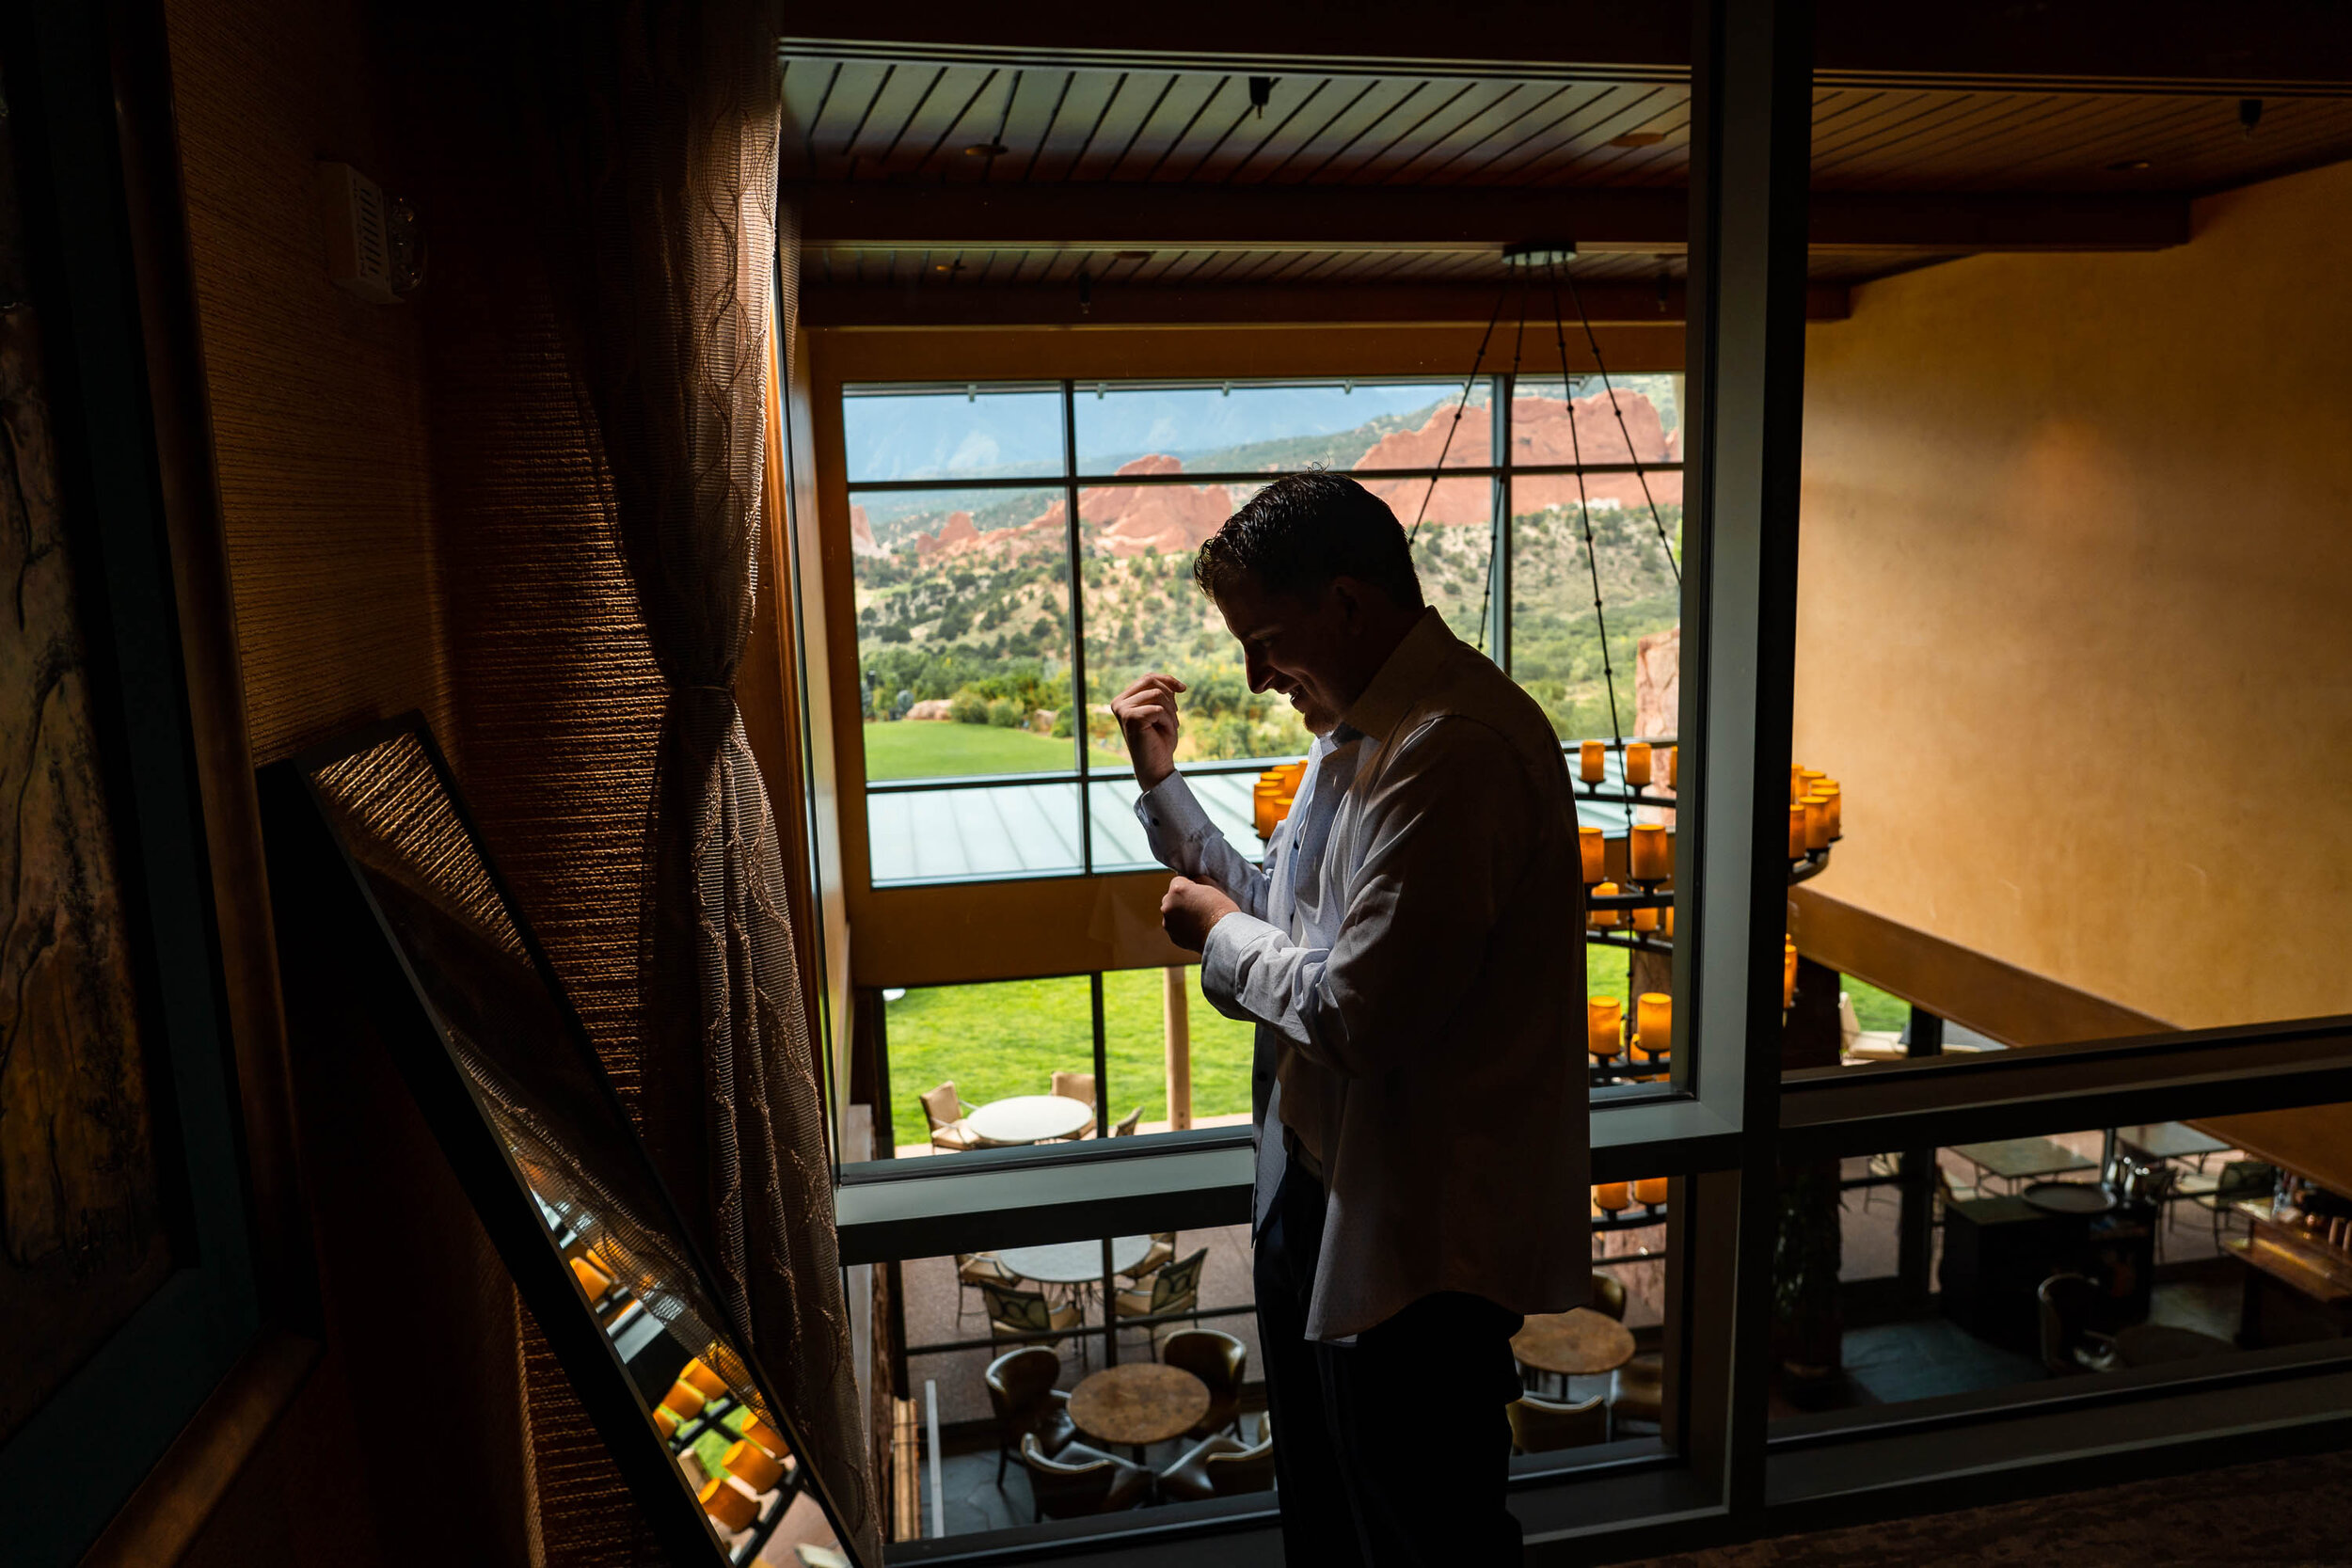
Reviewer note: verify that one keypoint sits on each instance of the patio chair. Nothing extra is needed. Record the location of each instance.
(976, 1269)
(1081, 1481)
(2241, 1181)
(2069, 1345)
(1220, 1362)
(1637, 1392)
(1174, 1288)
(1075, 1085)
(1018, 1312)
(945, 1112)
(1223, 1467)
(1127, 1128)
(1608, 1295)
(1155, 1258)
(1949, 1192)
(1021, 1390)
(1541, 1426)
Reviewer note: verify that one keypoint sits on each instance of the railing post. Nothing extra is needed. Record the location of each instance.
(1179, 1016)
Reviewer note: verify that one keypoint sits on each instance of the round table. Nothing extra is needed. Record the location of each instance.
(1139, 1404)
(1579, 1342)
(1029, 1118)
(1074, 1262)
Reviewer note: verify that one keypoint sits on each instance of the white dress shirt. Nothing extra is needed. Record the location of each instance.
(1413, 955)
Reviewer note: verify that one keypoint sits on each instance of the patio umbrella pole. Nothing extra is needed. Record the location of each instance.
(1179, 1050)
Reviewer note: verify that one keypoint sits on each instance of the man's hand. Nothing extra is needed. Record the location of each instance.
(1189, 909)
(1146, 712)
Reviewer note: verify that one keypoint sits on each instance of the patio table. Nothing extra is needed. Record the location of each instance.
(1029, 1118)
(1138, 1403)
(2016, 1160)
(1578, 1342)
(1074, 1262)
(2170, 1140)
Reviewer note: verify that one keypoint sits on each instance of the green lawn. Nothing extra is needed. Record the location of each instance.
(907, 750)
(1008, 1038)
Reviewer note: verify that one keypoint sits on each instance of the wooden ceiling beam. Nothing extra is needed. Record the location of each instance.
(2134, 45)
(933, 306)
(976, 217)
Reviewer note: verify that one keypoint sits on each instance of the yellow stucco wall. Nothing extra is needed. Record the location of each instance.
(2075, 628)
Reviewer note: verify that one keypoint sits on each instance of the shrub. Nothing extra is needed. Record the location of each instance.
(1006, 714)
(968, 707)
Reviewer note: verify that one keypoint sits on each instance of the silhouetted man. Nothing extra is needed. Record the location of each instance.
(1412, 953)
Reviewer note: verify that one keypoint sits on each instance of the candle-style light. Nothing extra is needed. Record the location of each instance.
(1796, 783)
(1816, 821)
(1602, 1016)
(753, 1466)
(1611, 1198)
(1650, 852)
(1591, 764)
(1594, 850)
(1653, 1022)
(1604, 917)
(729, 1504)
(759, 1431)
(1644, 919)
(1836, 806)
(1650, 1191)
(1637, 761)
(1796, 831)
(1789, 976)
(1674, 767)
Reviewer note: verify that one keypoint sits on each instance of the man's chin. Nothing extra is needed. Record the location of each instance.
(1313, 715)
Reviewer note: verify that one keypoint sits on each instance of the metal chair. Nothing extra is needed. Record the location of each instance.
(946, 1111)
(2069, 1345)
(1220, 1362)
(1155, 1258)
(1013, 1313)
(1540, 1425)
(1081, 1481)
(2240, 1182)
(1608, 1295)
(1075, 1085)
(976, 1269)
(1127, 1128)
(1021, 1392)
(1174, 1288)
(1223, 1467)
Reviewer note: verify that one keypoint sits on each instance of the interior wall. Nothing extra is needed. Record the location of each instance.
(2071, 627)
(318, 414)
(317, 397)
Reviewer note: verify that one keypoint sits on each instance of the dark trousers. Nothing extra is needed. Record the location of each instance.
(1393, 1450)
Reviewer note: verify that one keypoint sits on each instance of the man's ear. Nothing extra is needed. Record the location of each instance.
(1347, 597)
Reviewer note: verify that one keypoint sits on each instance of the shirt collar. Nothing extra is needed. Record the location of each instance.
(1410, 667)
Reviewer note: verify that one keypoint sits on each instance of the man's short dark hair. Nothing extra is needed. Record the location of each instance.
(1302, 531)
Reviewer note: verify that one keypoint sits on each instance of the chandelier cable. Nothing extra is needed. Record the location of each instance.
(1500, 540)
(1467, 382)
(1632, 451)
(1583, 506)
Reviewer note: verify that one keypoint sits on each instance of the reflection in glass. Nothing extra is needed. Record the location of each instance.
(950, 433)
(1555, 632)
(963, 631)
(534, 1082)
(1242, 428)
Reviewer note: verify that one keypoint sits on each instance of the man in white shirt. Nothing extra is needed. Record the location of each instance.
(1412, 953)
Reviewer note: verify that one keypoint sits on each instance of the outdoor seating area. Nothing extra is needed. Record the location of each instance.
(1064, 1114)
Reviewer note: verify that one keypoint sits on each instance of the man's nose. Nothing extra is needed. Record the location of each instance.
(1256, 668)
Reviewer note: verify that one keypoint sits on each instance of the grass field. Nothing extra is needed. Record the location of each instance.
(906, 750)
(998, 1041)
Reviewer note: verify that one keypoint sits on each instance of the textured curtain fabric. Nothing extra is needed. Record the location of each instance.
(654, 127)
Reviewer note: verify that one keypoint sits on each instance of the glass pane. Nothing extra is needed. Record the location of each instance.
(1221, 427)
(966, 1062)
(1936, 1272)
(1190, 1282)
(963, 632)
(1556, 631)
(1208, 1084)
(1452, 548)
(1144, 613)
(1643, 426)
(951, 433)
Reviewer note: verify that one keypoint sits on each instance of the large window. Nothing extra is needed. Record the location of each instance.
(986, 683)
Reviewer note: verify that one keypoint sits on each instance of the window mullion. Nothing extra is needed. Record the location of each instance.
(1077, 634)
(1499, 395)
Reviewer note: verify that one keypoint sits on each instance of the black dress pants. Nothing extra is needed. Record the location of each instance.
(1393, 1450)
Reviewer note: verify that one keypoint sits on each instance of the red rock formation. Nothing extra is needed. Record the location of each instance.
(862, 540)
(1543, 431)
(1128, 520)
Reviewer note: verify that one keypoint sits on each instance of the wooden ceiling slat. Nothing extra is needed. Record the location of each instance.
(960, 129)
(2102, 140)
(1985, 113)
(1342, 141)
(1660, 164)
(1353, 94)
(1209, 91)
(1226, 117)
(1588, 129)
(1282, 127)
(846, 154)
(1092, 94)
(1526, 99)
(1665, 110)
(1035, 133)
(1412, 140)
(1153, 113)
(1121, 116)
(1538, 132)
(883, 161)
(1894, 119)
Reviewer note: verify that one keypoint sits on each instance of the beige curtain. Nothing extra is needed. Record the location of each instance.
(654, 128)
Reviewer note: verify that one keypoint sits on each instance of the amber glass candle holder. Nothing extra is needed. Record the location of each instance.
(1592, 762)
(1612, 1197)
(1604, 917)
(1650, 852)
(1592, 847)
(1604, 1026)
(1637, 762)
(1650, 1191)
(730, 1505)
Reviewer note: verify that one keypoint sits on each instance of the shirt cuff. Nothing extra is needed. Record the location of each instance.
(1171, 807)
(1230, 940)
